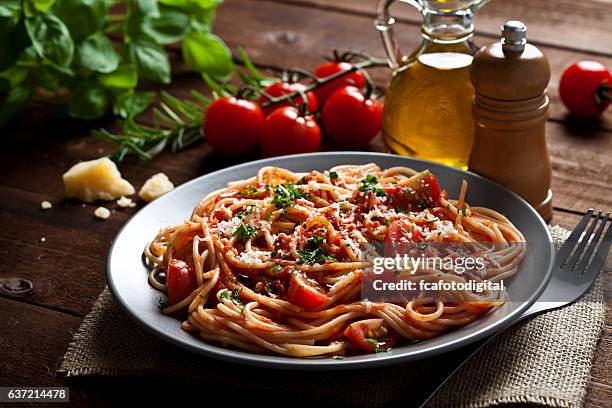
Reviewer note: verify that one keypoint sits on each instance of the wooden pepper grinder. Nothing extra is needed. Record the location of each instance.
(510, 108)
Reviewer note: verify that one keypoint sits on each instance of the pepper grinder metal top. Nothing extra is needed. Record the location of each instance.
(514, 36)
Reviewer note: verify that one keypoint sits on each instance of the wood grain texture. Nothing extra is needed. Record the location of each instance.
(567, 24)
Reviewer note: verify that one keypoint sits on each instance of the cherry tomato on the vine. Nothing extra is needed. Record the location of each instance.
(286, 131)
(233, 126)
(585, 88)
(350, 119)
(355, 78)
(283, 88)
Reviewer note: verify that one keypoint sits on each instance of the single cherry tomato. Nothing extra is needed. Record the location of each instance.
(355, 78)
(283, 88)
(350, 119)
(232, 126)
(180, 280)
(287, 132)
(304, 293)
(585, 88)
(422, 191)
(371, 335)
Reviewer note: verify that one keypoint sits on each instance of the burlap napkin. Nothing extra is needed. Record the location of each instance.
(546, 360)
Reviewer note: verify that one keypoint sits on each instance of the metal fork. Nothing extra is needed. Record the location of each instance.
(577, 264)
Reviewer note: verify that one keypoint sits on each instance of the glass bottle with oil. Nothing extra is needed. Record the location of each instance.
(427, 110)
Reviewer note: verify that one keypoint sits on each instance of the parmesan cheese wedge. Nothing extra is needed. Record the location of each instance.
(155, 187)
(96, 180)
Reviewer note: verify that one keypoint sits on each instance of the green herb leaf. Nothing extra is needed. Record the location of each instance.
(88, 101)
(168, 28)
(333, 175)
(370, 183)
(42, 5)
(314, 253)
(207, 53)
(284, 195)
(244, 212)
(151, 60)
(244, 232)
(51, 39)
(82, 17)
(124, 77)
(10, 9)
(276, 268)
(130, 104)
(96, 53)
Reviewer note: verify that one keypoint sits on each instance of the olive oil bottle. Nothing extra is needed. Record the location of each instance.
(428, 104)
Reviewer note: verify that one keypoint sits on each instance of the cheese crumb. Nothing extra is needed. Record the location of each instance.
(45, 205)
(155, 187)
(43, 239)
(102, 213)
(125, 202)
(96, 180)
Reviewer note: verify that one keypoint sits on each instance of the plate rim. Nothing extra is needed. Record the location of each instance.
(292, 363)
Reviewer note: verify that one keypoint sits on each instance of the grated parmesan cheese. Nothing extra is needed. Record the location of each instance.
(102, 213)
(45, 205)
(125, 202)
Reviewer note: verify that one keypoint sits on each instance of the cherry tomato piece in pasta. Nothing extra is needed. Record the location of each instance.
(305, 294)
(371, 335)
(180, 280)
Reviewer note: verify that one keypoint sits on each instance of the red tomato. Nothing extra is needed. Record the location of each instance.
(287, 132)
(283, 88)
(402, 229)
(305, 294)
(371, 335)
(349, 119)
(422, 192)
(355, 78)
(180, 280)
(232, 126)
(585, 88)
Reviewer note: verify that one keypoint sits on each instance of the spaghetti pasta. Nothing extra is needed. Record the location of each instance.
(275, 263)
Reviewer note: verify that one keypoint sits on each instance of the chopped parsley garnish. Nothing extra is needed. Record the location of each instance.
(244, 213)
(338, 357)
(284, 195)
(333, 175)
(249, 190)
(463, 212)
(234, 296)
(268, 216)
(276, 268)
(377, 346)
(313, 253)
(387, 222)
(244, 231)
(370, 183)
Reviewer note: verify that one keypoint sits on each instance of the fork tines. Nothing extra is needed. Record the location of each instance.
(585, 251)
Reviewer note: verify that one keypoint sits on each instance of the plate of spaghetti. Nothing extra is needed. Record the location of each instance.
(266, 262)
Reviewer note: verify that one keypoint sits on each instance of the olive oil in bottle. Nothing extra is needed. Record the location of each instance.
(428, 109)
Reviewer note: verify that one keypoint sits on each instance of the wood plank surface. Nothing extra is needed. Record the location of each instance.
(67, 267)
(568, 24)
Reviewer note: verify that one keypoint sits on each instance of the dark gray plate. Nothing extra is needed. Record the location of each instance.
(127, 276)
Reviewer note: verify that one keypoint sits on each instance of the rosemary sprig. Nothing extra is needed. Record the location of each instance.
(176, 124)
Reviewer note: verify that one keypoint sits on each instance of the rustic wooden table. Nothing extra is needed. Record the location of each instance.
(63, 251)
